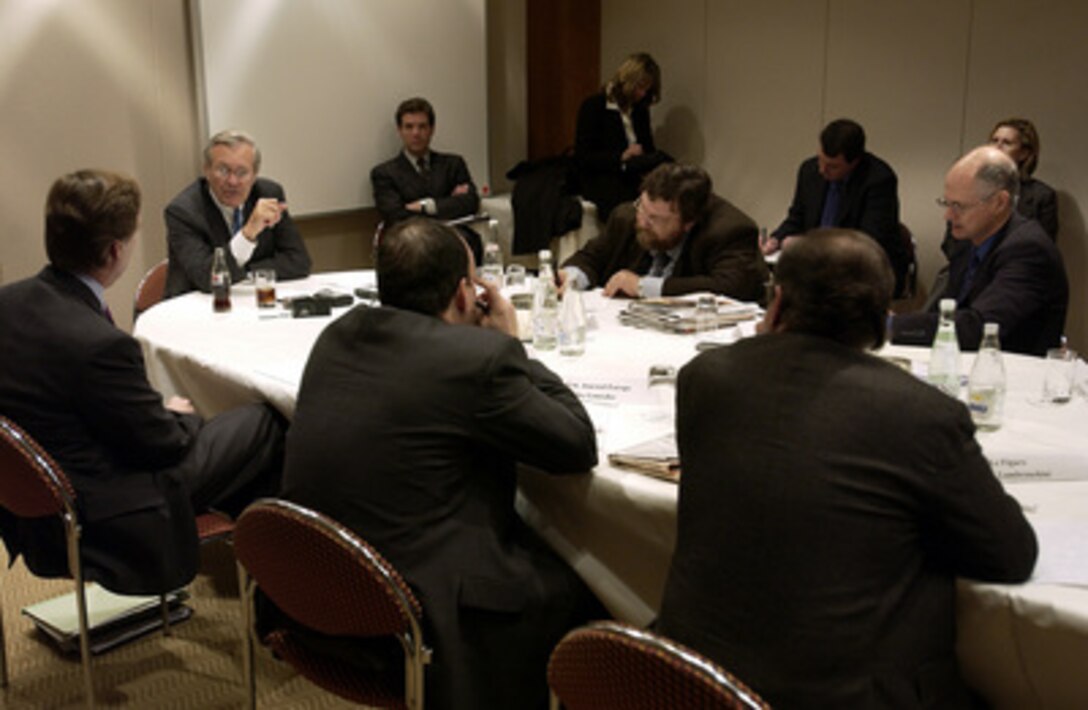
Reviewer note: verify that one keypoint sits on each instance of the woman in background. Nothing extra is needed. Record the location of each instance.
(1017, 138)
(613, 144)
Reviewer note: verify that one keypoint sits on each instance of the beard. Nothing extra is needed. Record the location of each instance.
(649, 241)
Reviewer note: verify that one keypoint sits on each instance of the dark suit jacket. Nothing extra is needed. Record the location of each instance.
(406, 431)
(827, 503)
(1039, 202)
(599, 142)
(77, 385)
(721, 254)
(1021, 286)
(396, 183)
(195, 226)
(870, 204)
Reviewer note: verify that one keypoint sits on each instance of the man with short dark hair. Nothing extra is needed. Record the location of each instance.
(678, 237)
(845, 186)
(829, 501)
(409, 422)
(1002, 267)
(423, 182)
(229, 206)
(77, 385)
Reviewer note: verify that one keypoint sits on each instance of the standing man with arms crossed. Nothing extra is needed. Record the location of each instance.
(830, 500)
(410, 420)
(424, 182)
(231, 207)
(77, 384)
(677, 237)
(845, 186)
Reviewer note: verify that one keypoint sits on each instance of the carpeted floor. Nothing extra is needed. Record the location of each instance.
(198, 667)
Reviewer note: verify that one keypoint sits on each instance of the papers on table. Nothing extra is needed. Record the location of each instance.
(657, 457)
(679, 314)
(1063, 551)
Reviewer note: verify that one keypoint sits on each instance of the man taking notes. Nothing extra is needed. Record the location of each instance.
(231, 207)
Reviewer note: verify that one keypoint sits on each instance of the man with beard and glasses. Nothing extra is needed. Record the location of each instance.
(676, 238)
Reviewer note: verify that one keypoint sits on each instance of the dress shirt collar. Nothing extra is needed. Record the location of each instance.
(415, 161)
(97, 289)
(227, 212)
(980, 252)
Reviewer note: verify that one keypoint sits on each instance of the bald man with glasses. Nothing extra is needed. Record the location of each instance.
(1002, 268)
(676, 238)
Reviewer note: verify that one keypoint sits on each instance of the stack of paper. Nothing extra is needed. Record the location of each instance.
(656, 457)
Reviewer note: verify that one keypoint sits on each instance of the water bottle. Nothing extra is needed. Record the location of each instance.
(944, 357)
(572, 324)
(545, 305)
(986, 385)
(220, 282)
(491, 269)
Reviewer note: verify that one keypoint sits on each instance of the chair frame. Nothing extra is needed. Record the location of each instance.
(654, 644)
(416, 654)
(139, 298)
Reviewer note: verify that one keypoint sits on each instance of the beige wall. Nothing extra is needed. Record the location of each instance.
(108, 83)
(751, 84)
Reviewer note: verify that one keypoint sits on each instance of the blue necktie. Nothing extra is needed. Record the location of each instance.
(236, 224)
(830, 216)
(969, 277)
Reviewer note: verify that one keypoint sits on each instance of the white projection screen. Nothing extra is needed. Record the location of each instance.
(317, 82)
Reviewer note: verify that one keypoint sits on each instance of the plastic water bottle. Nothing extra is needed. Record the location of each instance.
(545, 305)
(491, 269)
(944, 358)
(572, 324)
(220, 281)
(986, 385)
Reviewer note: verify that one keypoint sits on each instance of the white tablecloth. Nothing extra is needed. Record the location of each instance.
(1021, 645)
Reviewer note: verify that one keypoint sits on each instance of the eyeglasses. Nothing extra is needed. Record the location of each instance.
(959, 208)
(654, 219)
(240, 174)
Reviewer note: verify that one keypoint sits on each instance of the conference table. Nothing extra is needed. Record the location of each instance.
(1019, 645)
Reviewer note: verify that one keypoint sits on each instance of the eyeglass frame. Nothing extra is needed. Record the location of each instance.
(656, 221)
(239, 174)
(958, 208)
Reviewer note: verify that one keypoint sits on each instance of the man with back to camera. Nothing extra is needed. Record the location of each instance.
(676, 238)
(1002, 268)
(410, 419)
(77, 384)
(822, 570)
(424, 182)
(231, 207)
(845, 186)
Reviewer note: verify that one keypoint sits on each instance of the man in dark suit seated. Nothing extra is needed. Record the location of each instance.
(410, 419)
(1002, 267)
(77, 385)
(676, 238)
(845, 186)
(230, 207)
(424, 182)
(829, 500)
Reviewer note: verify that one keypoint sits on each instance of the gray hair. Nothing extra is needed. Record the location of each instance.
(231, 138)
(999, 172)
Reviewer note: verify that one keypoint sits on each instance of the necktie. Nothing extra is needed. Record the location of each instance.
(830, 216)
(969, 277)
(236, 223)
(107, 314)
(424, 170)
(661, 262)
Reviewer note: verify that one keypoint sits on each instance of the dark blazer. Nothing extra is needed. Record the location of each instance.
(396, 183)
(1021, 286)
(195, 226)
(407, 430)
(77, 385)
(828, 502)
(599, 141)
(870, 204)
(721, 254)
(1039, 202)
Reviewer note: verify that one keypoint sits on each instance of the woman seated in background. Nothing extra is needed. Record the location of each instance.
(1017, 138)
(613, 144)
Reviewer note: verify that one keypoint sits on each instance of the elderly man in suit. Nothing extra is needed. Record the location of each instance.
(77, 384)
(231, 207)
(830, 500)
(843, 185)
(676, 238)
(1002, 268)
(423, 182)
(410, 420)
